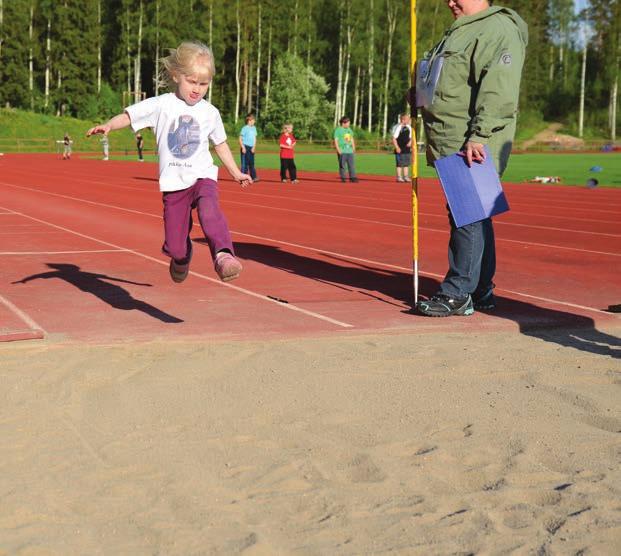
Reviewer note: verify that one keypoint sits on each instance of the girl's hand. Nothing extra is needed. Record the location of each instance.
(103, 128)
(244, 180)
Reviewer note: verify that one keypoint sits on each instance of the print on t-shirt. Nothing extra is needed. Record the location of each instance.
(184, 141)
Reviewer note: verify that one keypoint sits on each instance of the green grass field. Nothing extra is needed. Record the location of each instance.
(24, 131)
(572, 168)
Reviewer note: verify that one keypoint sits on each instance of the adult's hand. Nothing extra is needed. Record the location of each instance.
(474, 152)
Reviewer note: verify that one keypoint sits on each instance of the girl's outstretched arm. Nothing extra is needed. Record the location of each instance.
(224, 152)
(118, 122)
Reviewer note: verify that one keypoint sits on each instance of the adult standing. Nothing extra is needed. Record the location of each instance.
(471, 82)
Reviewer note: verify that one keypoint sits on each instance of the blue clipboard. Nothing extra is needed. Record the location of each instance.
(473, 193)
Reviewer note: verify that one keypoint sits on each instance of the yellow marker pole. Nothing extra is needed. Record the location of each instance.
(414, 173)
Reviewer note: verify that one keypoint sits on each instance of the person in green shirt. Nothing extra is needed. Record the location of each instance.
(345, 148)
(467, 88)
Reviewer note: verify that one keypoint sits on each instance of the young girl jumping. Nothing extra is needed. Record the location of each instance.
(184, 124)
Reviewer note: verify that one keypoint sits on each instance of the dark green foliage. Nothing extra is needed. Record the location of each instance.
(299, 97)
(311, 29)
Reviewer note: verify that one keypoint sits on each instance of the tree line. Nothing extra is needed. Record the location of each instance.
(572, 63)
(309, 61)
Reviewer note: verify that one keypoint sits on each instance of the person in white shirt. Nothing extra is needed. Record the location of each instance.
(184, 125)
(402, 141)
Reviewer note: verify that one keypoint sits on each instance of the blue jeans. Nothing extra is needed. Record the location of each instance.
(247, 162)
(472, 260)
(347, 159)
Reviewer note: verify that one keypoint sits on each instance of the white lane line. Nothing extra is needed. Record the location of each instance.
(288, 306)
(400, 211)
(406, 269)
(443, 215)
(356, 258)
(380, 222)
(21, 315)
(437, 230)
(63, 252)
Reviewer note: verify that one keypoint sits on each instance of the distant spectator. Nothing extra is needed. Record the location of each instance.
(345, 149)
(67, 142)
(287, 164)
(106, 146)
(402, 141)
(247, 147)
(140, 146)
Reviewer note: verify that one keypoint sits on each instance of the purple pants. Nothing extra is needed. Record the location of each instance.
(178, 205)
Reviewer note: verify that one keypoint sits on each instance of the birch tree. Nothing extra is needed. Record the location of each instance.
(391, 16)
(237, 61)
(258, 80)
(31, 55)
(347, 56)
(582, 83)
(137, 57)
(370, 65)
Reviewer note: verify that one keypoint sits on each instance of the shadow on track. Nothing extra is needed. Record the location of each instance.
(551, 325)
(96, 285)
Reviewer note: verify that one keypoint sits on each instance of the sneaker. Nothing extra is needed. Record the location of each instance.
(227, 266)
(441, 305)
(295, 181)
(399, 179)
(284, 181)
(179, 271)
(343, 180)
(486, 302)
(354, 180)
(256, 180)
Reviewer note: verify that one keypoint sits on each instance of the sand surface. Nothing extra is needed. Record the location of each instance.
(409, 444)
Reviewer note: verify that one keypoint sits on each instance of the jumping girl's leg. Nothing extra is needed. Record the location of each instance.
(211, 218)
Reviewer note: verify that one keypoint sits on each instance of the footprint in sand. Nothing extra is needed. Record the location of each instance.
(608, 424)
(361, 469)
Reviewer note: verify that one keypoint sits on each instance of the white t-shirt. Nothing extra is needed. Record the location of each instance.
(396, 131)
(183, 133)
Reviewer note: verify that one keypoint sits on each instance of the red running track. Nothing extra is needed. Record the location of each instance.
(80, 257)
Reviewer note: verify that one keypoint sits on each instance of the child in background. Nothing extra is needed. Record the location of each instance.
(402, 141)
(247, 145)
(106, 146)
(184, 125)
(287, 143)
(140, 145)
(67, 147)
(345, 149)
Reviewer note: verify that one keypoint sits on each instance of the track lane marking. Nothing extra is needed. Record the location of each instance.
(22, 316)
(544, 299)
(438, 230)
(262, 297)
(63, 252)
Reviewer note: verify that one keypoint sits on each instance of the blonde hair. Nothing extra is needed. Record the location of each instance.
(189, 58)
(287, 126)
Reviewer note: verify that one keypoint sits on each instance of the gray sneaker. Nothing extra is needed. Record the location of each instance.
(441, 305)
(486, 302)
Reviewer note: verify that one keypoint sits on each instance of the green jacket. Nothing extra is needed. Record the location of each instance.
(476, 95)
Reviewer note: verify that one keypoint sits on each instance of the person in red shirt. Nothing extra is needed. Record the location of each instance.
(287, 143)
